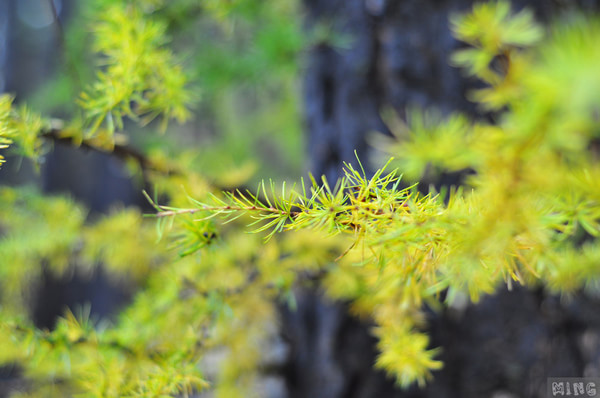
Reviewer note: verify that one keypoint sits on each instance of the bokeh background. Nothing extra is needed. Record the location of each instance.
(287, 87)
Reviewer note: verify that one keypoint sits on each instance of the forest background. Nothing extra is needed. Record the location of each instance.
(276, 89)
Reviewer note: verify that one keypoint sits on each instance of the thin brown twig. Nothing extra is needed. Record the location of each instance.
(171, 213)
(122, 151)
(56, 132)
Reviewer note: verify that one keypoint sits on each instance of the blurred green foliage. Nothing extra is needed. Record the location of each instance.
(234, 65)
(529, 213)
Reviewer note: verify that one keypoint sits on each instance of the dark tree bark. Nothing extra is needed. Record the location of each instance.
(506, 346)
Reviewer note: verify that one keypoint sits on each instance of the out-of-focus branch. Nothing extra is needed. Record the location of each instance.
(56, 132)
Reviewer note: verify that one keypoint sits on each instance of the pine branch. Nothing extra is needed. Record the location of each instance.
(56, 133)
(171, 213)
(355, 204)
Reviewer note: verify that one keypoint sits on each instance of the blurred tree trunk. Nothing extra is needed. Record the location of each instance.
(392, 54)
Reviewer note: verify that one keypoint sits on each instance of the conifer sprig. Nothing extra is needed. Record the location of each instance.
(356, 203)
(140, 77)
